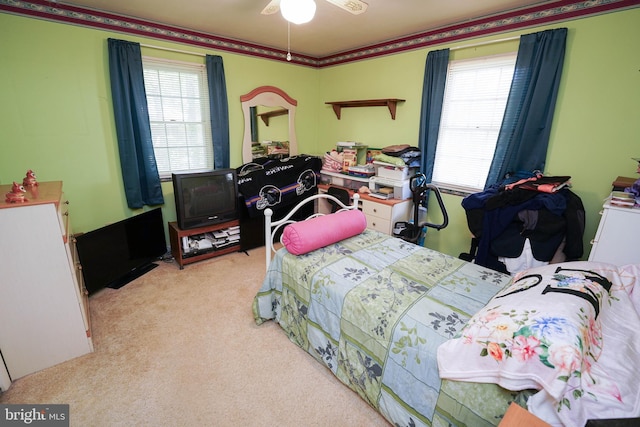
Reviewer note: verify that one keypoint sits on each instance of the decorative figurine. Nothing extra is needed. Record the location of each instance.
(30, 179)
(16, 195)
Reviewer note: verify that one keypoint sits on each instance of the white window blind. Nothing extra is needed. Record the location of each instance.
(474, 102)
(178, 102)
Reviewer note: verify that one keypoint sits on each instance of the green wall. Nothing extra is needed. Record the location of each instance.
(596, 126)
(55, 113)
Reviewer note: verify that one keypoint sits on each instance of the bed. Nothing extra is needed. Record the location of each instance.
(422, 336)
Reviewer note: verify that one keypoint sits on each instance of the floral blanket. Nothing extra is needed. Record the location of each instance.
(570, 330)
(374, 309)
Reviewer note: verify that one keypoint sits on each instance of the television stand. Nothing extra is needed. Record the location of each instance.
(197, 244)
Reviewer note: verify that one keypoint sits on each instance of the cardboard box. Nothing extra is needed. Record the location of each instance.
(517, 416)
(360, 149)
(350, 158)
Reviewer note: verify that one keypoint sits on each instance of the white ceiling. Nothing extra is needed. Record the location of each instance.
(333, 30)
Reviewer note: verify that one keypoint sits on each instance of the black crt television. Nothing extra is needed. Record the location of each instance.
(115, 254)
(205, 198)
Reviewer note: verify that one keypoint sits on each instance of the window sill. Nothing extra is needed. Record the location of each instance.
(455, 191)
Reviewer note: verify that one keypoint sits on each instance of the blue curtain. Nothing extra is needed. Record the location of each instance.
(435, 78)
(524, 134)
(219, 109)
(138, 163)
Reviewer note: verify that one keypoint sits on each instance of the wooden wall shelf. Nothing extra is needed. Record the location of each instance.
(265, 116)
(390, 103)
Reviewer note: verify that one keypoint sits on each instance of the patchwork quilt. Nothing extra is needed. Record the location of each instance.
(374, 309)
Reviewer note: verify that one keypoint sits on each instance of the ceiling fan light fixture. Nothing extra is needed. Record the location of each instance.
(298, 11)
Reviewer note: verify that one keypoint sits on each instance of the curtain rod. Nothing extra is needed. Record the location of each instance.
(467, 46)
(172, 50)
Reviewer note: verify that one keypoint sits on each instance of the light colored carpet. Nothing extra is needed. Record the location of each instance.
(180, 348)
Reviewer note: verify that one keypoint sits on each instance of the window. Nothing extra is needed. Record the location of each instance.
(474, 102)
(178, 102)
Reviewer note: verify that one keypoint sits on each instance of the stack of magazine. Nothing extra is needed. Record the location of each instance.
(620, 198)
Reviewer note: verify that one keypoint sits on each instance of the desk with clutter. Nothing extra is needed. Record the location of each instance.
(381, 176)
(380, 173)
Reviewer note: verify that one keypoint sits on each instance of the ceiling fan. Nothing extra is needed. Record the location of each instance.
(355, 7)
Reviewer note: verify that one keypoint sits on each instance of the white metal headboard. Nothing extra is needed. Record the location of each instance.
(271, 228)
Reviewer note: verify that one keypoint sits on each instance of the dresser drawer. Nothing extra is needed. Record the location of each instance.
(373, 209)
(379, 224)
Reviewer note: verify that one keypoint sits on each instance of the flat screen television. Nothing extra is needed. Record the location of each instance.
(114, 255)
(205, 198)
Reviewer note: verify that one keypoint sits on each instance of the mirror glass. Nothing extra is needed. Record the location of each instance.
(269, 115)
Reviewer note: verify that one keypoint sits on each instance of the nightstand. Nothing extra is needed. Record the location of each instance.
(618, 235)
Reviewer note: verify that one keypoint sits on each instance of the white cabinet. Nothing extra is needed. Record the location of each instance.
(618, 235)
(44, 318)
(381, 214)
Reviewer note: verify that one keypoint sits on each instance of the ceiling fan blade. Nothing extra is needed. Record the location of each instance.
(271, 8)
(355, 7)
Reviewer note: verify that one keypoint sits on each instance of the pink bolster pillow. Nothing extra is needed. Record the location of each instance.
(315, 233)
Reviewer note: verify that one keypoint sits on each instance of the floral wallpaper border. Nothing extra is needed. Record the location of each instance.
(525, 18)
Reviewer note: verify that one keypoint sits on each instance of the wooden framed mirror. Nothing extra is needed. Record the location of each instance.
(276, 103)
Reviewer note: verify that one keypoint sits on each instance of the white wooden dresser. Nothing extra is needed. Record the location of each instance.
(44, 317)
(381, 214)
(618, 236)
